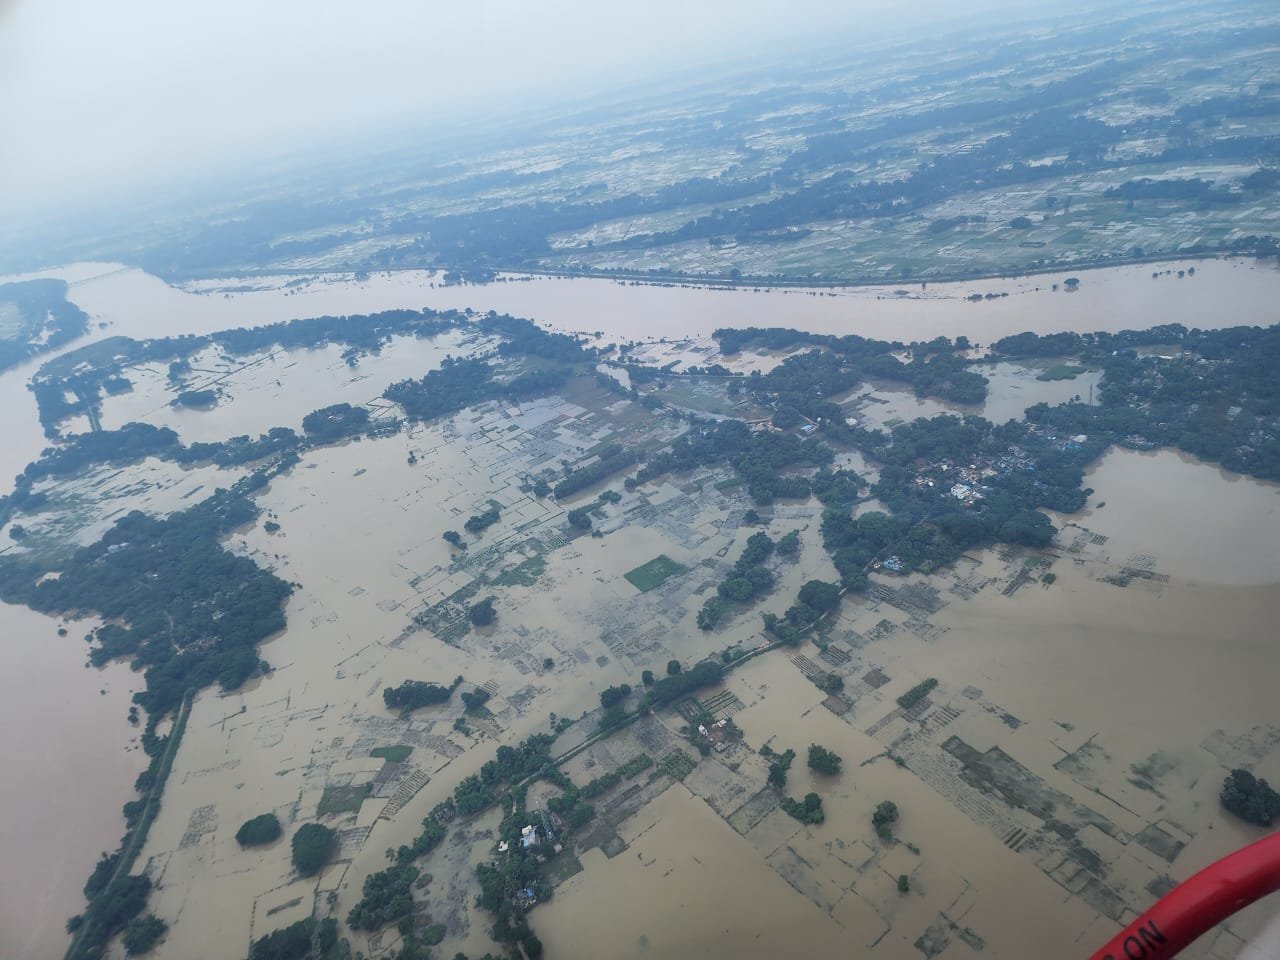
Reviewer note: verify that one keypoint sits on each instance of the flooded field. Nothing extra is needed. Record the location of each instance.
(1063, 771)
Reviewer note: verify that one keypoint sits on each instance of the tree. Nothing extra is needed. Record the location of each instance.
(482, 614)
(335, 422)
(673, 667)
(885, 815)
(647, 678)
(808, 810)
(261, 829)
(1250, 798)
(143, 933)
(823, 760)
(580, 518)
(614, 695)
(789, 545)
(820, 595)
(904, 883)
(313, 845)
(548, 664)
(778, 768)
(454, 538)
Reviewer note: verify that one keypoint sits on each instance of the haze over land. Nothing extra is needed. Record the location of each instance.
(812, 495)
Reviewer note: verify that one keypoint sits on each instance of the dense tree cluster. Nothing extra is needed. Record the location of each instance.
(613, 696)
(118, 903)
(480, 522)
(823, 760)
(748, 579)
(459, 383)
(335, 422)
(808, 810)
(194, 398)
(304, 940)
(789, 544)
(1208, 392)
(756, 457)
(610, 459)
(141, 934)
(414, 694)
(917, 693)
(675, 686)
(193, 611)
(261, 829)
(1250, 798)
(482, 613)
(511, 764)
(884, 817)
(779, 764)
(805, 382)
(388, 896)
(312, 847)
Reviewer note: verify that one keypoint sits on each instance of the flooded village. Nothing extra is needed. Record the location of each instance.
(1050, 724)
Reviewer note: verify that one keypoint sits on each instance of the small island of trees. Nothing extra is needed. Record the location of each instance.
(414, 694)
(1250, 798)
(313, 846)
(482, 614)
(822, 760)
(261, 829)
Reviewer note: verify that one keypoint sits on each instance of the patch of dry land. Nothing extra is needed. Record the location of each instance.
(1062, 773)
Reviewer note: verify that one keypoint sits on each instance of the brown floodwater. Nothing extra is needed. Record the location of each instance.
(1110, 298)
(1144, 670)
(69, 760)
(1195, 520)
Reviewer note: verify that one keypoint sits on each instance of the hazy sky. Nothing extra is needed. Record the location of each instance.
(124, 92)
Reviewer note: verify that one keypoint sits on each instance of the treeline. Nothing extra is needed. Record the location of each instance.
(307, 939)
(610, 459)
(193, 613)
(511, 764)
(804, 382)
(1174, 188)
(1212, 395)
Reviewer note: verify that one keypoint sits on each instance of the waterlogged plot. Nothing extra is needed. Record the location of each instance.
(655, 573)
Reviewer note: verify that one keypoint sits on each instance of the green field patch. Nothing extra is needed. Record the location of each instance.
(729, 484)
(1062, 371)
(524, 574)
(654, 573)
(342, 799)
(397, 754)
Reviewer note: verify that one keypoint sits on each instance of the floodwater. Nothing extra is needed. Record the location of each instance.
(1148, 668)
(69, 760)
(1194, 519)
(1111, 298)
(274, 389)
